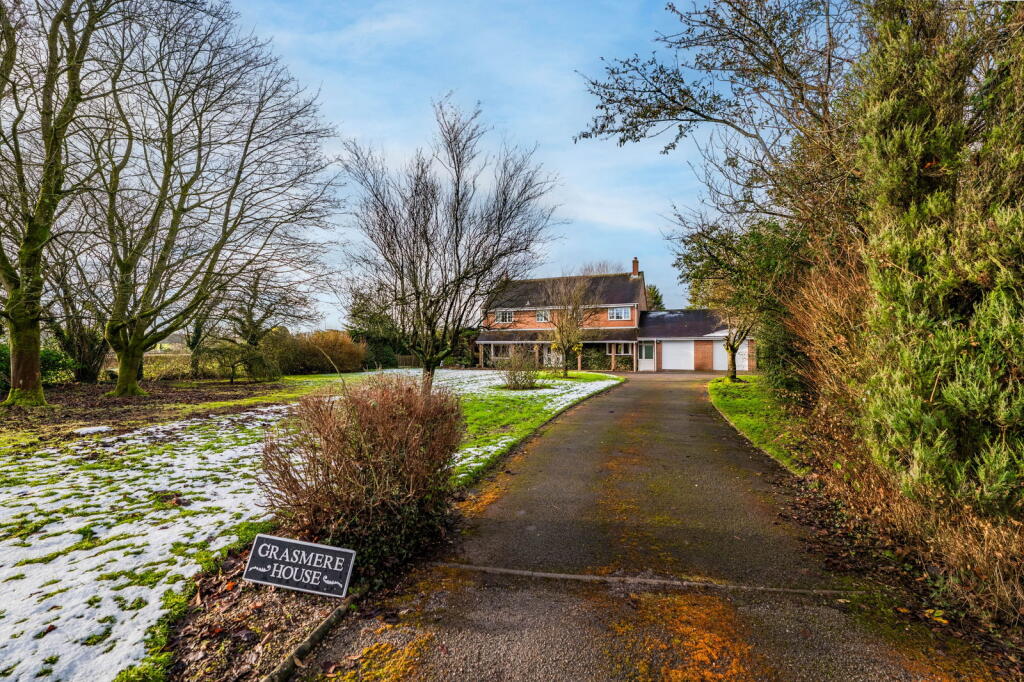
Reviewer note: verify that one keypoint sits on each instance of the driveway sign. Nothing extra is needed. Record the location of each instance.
(302, 566)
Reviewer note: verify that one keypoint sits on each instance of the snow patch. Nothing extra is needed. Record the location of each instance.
(86, 430)
(94, 533)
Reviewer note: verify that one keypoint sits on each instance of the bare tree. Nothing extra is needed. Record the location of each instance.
(571, 315)
(74, 279)
(48, 69)
(266, 298)
(439, 239)
(759, 75)
(601, 267)
(208, 163)
(739, 325)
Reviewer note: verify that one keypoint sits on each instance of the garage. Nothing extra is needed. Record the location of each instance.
(677, 355)
(690, 339)
(721, 357)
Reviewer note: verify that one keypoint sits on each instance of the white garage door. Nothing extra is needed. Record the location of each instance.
(677, 355)
(741, 357)
(721, 357)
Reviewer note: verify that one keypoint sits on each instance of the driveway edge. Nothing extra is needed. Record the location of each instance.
(786, 467)
(293, 659)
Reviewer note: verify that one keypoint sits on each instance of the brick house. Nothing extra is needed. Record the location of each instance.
(634, 338)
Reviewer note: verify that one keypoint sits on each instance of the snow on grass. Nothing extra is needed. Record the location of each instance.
(94, 534)
(89, 430)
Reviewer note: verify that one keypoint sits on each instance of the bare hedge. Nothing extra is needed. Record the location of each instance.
(368, 467)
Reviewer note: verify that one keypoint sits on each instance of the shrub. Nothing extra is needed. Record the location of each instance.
(519, 369)
(166, 367)
(368, 468)
(233, 360)
(596, 359)
(321, 352)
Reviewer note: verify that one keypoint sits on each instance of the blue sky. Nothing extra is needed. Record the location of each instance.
(378, 66)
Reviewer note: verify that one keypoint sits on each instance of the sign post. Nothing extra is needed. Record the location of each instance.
(302, 566)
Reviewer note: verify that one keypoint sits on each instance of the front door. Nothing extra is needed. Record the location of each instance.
(549, 357)
(645, 357)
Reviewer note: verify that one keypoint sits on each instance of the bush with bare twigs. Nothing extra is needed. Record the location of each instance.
(367, 467)
(519, 369)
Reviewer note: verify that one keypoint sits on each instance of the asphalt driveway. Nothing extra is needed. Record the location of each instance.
(637, 537)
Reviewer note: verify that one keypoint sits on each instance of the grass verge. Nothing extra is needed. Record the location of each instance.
(752, 410)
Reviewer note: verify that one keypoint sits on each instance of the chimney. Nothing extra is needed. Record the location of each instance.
(636, 266)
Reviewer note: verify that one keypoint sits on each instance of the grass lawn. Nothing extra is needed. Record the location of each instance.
(75, 406)
(753, 411)
(288, 389)
(100, 535)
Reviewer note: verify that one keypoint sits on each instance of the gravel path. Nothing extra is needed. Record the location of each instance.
(644, 481)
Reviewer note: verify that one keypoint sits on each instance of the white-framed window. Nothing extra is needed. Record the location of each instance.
(543, 315)
(618, 313)
(647, 350)
(618, 349)
(505, 316)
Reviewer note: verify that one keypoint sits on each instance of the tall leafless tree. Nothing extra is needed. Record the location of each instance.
(48, 69)
(572, 313)
(208, 163)
(439, 238)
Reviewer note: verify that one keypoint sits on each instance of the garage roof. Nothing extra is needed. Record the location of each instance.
(680, 324)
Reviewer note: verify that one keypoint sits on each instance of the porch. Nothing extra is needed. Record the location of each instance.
(596, 355)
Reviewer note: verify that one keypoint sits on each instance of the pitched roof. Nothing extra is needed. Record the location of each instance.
(668, 324)
(612, 289)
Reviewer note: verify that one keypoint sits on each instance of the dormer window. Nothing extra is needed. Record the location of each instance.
(543, 316)
(618, 313)
(505, 316)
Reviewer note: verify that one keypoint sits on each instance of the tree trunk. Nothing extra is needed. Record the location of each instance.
(26, 376)
(86, 373)
(129, 367)
(732, 362)
(428, 378)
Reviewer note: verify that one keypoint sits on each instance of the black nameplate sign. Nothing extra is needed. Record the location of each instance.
(297, 565)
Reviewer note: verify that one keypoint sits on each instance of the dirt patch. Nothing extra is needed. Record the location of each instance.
(384, 660)
(493, 487)
(680, 637)
(235, 630)
(389, 634)
(621, 503)
(74, 406)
